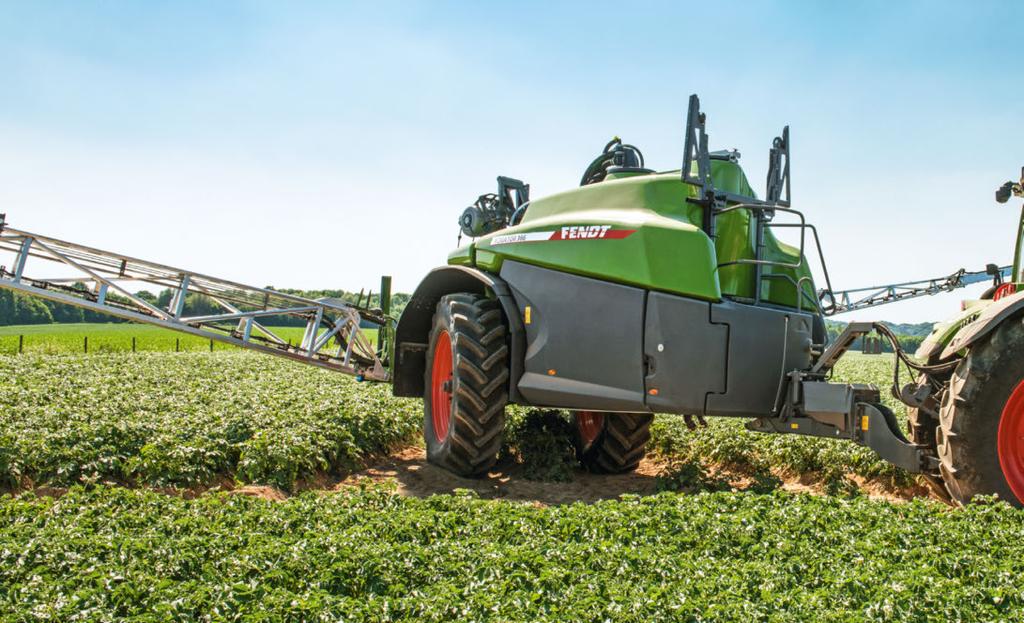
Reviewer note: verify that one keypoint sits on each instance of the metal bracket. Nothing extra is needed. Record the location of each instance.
(778, 170)
(840, 411)
(842, 344)
(695, 150)
(715, 202)
(512, 192)
(875, 432)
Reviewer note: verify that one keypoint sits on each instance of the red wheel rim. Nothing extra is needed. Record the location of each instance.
(1004, 290)
(590, 424)
(1011, 441)
(440, 385)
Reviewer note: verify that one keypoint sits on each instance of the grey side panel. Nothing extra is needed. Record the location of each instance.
(686, 354)
(764, 345)
(588, 332)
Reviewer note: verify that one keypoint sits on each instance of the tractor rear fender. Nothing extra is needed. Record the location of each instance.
(989, 319)
(413, 328)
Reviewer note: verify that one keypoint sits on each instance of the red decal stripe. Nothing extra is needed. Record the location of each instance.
(619, 233)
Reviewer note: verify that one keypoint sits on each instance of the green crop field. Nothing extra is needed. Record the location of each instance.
(117, 554)
(187, 419)
(125, 430)
(190, 418)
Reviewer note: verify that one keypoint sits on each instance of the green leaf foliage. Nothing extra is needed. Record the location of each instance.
(188, 418)
(110, 553)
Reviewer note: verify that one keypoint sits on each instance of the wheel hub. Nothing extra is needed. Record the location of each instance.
(441, 386)
(590, 425)
(1011, 441)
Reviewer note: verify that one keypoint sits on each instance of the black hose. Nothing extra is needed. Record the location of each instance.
(928, 370)
(614, 150)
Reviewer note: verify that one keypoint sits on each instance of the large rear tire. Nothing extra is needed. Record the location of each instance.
(611, 443)
(980, 436)
(465, 385)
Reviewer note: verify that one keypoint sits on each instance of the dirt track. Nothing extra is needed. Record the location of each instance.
(413, 476)
(408, 471)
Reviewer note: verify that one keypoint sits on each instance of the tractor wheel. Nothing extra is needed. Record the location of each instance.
(465, 385)
(611, 443)
(981, 423)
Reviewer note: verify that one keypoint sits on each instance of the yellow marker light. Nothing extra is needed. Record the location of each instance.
(864, 422)
(526, 315)
(794, 426)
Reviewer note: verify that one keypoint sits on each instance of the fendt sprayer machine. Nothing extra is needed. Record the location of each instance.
(639, 292)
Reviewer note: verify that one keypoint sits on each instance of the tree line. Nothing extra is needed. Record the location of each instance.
(909, 343)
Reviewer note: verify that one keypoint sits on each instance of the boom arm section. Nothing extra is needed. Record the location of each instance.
(98, 280)
(845, 301)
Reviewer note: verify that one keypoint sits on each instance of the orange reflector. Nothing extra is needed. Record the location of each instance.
(653, 391)
(552, 372)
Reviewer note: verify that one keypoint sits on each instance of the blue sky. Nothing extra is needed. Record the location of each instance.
(322, 144)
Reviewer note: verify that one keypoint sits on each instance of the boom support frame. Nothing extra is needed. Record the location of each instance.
(333, 337)
(845, 301)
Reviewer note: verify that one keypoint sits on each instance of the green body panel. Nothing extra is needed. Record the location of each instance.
(944, 332)
(463, 256)
(668, 250)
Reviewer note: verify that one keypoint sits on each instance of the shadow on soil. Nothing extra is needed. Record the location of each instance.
(413, 476)
(410, 473)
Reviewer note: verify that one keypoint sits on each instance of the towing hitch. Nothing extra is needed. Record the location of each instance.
(851, 412)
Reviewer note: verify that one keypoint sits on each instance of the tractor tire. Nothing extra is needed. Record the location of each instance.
(980, 436)
(465, 385)
(611, 443)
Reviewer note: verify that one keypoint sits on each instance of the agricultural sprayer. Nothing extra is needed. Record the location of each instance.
(639, 292)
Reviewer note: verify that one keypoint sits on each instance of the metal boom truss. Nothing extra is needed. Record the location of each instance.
(99, 282)
(844, 301)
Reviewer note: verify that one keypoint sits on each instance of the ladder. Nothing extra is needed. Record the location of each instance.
(99, 281)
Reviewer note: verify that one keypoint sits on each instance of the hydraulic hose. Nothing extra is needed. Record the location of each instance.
(615, 153)
(901, 356)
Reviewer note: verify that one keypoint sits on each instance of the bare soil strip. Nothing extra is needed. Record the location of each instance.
(408, 471)
(413, 476)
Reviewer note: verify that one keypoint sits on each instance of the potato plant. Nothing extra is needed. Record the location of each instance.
(111, 553)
